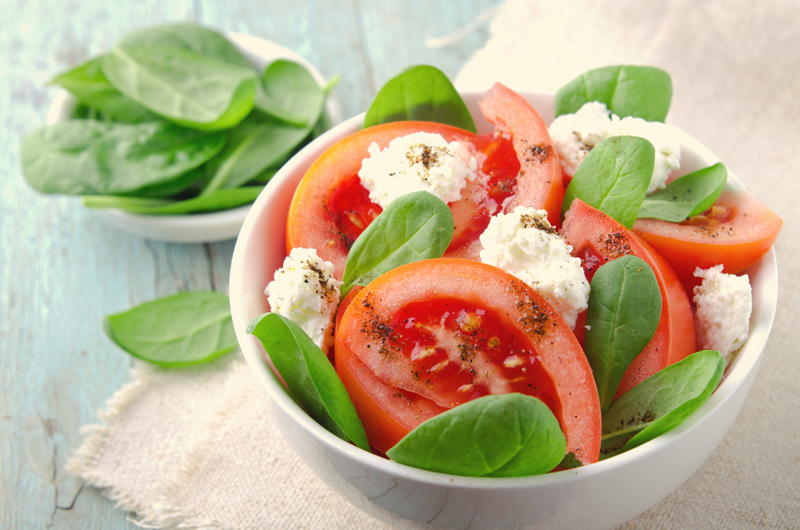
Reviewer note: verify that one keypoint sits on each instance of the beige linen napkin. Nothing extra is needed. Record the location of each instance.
(194, 448)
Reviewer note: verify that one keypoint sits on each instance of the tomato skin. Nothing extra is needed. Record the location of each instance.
(746, 231)
(596, 236)
(540, 184)
(531, 317)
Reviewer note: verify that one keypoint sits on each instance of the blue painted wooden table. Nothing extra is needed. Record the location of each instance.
(62, 270)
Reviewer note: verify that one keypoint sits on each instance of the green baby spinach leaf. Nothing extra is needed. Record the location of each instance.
(219, 200)
(182, 185)
(191, 37)
(420, 93)
(257, 143)
(414, 227)
(661, 402)
(310, 376)
(182, 86)
(88, 83)
(93, 157)
(687, 196)
(509, 435)
(290, 93)
(179, 330)
(614, 178)
(624, 312)
(641, 91)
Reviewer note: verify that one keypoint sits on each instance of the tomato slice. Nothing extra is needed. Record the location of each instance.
(330, 207)
(540, 184)
(597, 238)
(735, 232)
(437, 333)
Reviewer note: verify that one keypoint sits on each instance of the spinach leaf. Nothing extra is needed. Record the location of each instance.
(624, 312)
(661, 402)
(290, 93)
(310, 376)
(509, 435)
(182, 86)
(191, 37)
(179, 330)
(88, 83)
(257, 143)
(182, 185)
(92, 157)
(420, 93)
(614, 178)
(641, 91)
(687, 196)
(218, 200)
(414, 227)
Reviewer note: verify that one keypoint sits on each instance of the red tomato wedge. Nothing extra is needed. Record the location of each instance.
(331, 208)
(431, 335)
(540, 184)
(735, 232)
(597, 238)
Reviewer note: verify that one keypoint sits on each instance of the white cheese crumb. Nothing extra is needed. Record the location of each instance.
(418, 162)
(525, 245)
(724, 304)
(305, 291)
(574, 135)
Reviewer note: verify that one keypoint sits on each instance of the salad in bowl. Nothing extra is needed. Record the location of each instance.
(499, 328)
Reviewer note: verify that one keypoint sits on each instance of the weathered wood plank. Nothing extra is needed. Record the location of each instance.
(61, 271)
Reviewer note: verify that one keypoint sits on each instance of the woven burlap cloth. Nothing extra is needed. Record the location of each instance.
(195, 448)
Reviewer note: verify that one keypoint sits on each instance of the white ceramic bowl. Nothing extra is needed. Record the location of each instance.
(598, 496)
(200, 227)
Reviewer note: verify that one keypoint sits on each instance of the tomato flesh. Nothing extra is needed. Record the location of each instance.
(735, 232)
(473, 329)
(350, 210)
(597, 238)
(446, 331)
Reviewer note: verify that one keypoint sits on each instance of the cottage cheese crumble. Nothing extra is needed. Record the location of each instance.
(418, 162)
(724, 304)
(524, 244)
(574, 135)
(305, 291)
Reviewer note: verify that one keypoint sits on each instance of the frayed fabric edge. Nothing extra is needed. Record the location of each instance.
(85, 458)
(171, 513)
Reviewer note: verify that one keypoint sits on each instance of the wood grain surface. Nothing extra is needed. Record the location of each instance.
(62, 269)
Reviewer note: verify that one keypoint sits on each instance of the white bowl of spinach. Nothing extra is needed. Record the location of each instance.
(173, 133)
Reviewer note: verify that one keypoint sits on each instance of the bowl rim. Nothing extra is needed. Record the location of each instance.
(203, 227)
(745, 362)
